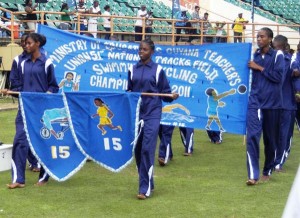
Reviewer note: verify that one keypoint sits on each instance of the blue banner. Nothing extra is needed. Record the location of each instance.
(212, 80)
(71, 3)
(104, 125)
(47, 127)
(175, 8)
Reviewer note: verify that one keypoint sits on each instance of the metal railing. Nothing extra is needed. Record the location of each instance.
(123, 27)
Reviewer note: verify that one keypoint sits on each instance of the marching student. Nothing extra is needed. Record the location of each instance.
(296, 75)
(147, 76)
(295, 69)
(33, 163)
(215, 136)
(264, 106)
(30, 78)
(165, 147)
(288, 107)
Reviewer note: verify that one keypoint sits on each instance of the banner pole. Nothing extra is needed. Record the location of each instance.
(143, 93)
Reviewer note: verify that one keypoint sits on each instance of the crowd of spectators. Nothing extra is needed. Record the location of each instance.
(187, 27)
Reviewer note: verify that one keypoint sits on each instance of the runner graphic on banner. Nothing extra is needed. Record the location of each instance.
(104, 125)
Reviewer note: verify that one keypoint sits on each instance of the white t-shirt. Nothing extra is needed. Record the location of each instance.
(140, 13)
(106, 20)
(95, 11)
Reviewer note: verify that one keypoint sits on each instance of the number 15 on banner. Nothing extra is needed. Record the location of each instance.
(60, 151)
(116, 144)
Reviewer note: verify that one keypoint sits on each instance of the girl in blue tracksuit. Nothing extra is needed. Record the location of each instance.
(34, 165)
(147, 76)
(264, 106)
(296, 74)
(165, 147)
(35, 74)
(288, 107)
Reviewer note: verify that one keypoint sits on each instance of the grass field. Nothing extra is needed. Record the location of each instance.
(211, 183)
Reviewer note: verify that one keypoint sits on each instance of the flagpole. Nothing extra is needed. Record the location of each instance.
(252, 11)
(143, 93)
(158, 94)
(76, 6)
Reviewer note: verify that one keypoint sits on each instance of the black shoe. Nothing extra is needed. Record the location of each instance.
(1, 143)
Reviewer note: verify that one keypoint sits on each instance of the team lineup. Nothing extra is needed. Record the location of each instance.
(271, 109)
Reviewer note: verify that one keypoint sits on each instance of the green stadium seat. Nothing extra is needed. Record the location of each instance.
(288, 9)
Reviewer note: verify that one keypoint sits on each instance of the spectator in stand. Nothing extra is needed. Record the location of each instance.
(139, 23)
(106, 22)
(93, 21)
(81, 9)
(182, 23)
(196, 18)
(238, 28)
(66, 24)
(149, 23)
(114, 38)
(219, 32)
(205, 27)
(31, 17)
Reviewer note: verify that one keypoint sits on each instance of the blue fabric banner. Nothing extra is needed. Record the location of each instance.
(71, 3)
(47, 127)
(104, 125)
(212, 80)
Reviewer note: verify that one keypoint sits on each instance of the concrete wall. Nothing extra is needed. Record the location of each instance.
(8, 53)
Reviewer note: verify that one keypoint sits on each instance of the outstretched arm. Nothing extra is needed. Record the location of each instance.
(94, 115)
(224, 94)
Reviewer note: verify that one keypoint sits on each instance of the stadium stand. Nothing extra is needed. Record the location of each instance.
(118, 7)
(124, 16)
(280, 11)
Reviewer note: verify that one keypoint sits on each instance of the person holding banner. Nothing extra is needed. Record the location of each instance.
(33, 162)
(149, 78)
(264, 106)
(35, 75)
